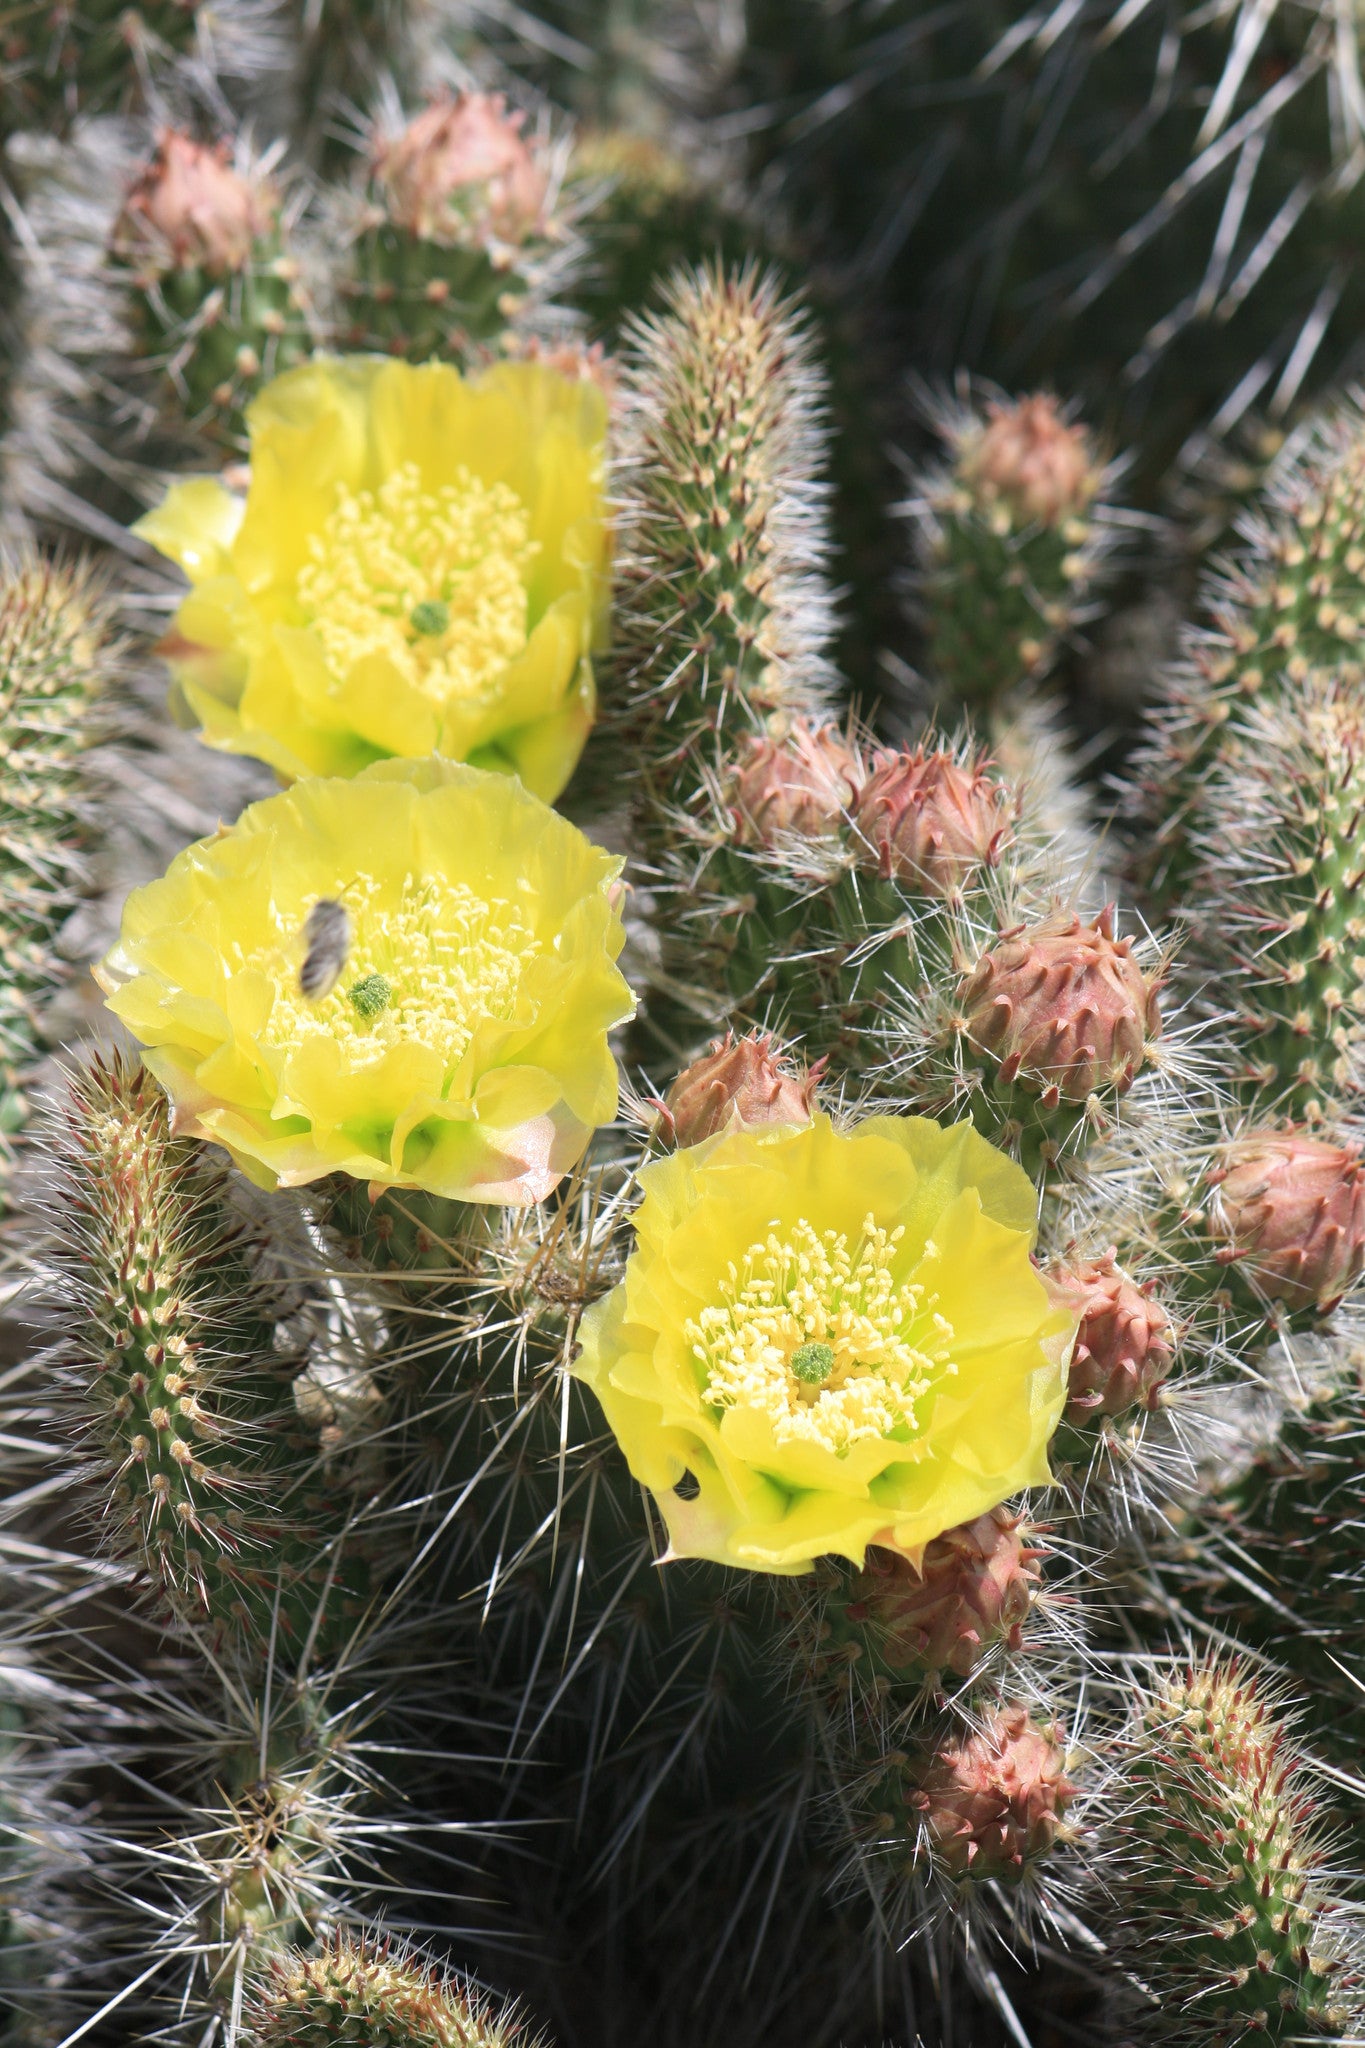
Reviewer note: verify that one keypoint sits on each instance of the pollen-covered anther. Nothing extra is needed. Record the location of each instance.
(995, 1802)
(1292, 1208)
(1125, 1345)
(931, 820)
(1063, 1007)
(974, 1588)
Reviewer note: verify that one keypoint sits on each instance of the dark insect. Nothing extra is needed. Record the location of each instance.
(327, 941)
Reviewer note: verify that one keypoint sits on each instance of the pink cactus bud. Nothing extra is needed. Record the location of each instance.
(189, 209)
(802, 783)
(463, 165)
(1125, 1346)
(740, 1082)
(1294, 1209)
(1028, 459)
(973, 1589)
(994, 1802)
(932, 821)
(1064, 1007)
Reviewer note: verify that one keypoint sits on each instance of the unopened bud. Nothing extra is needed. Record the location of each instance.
(930, 820)
(993, 1803)
(973, 1589)
(462, 167)
(190, 209)
(738, 1083)
(1029, 460)
(801, 784)
(1124, 1342)
(1293, 1208)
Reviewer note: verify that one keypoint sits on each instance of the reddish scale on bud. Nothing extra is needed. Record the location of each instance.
(801, 784)
(1064, 1007)
(463, 163)
(995, 1802)
(1028, 459)
(189, 209)
(740, 1082)
(1125, 1345)
(930, 820)
(974, 1589)
(1294, 1210)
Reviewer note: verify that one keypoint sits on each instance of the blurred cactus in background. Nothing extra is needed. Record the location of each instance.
(735, 1412)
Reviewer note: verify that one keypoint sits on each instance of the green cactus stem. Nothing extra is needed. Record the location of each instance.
(358, 1993)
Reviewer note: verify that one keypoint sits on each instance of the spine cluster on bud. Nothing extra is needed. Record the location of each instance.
(58, 659)
(1010, 545)
(359, 1994)
(1222, 1897)
(219, 300)
(458, 230)
(208, 1477)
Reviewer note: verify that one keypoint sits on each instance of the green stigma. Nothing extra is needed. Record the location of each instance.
(431, 616)
(372, 995)
(813, 1364)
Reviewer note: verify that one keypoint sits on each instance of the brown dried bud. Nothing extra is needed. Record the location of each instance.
(1028, 459)
(1064, 1007)
(1294, 1208)
(802, 784)
(740, 1083)
(1124, 1343)
(995, 1801)
(189, 209)
(930, 820)
(974, 1588)
(463, 164)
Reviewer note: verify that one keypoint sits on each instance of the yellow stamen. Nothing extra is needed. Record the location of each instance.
(433, 580)
(446, 958)
(794, 1299)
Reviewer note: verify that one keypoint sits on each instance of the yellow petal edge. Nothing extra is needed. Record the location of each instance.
(463, 1048)
(376, 487)
(772, 1485)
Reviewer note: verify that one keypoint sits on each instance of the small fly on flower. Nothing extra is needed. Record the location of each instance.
(327, 941)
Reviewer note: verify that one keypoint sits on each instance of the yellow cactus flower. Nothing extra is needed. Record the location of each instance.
(419, 566)
(827, 1339)
(440, 1022)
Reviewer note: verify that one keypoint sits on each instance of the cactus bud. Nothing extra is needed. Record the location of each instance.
(1064, 1007)
(1124, 1345)
(356, 1991)
(994, 1803)
(191, 210)
(930, 819)
(802, 784)
(1294, 1210)
(973, 1589)
(462, 167)
(740, 1082)
(1028, 460)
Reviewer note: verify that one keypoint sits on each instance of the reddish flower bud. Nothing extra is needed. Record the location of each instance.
(1124, 1343)
(974, 1588)
(994, 1802)
(1064, 1007)
(930, 820)
(189, 209)
(1027, 458)
(463, 164)
(1294, 1209)
(740, 1082)
(802, 784)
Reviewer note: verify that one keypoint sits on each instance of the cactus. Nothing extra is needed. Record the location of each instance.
(59, 658)
(375, 1994)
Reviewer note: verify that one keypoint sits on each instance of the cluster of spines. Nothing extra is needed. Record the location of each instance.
(358, 1993)
(207, 1475)
(59, 655)
(1224, 1902)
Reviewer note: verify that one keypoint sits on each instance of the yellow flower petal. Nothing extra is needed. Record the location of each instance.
(839, 1336)
(462, 1047)
(421, 563)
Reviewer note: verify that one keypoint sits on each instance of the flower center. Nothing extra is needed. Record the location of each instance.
(821, 1338)
(433, 580)
(428, 968)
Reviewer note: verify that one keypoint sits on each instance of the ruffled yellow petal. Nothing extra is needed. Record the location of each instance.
(945, 1357)
(487, 924)
(421, 564)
